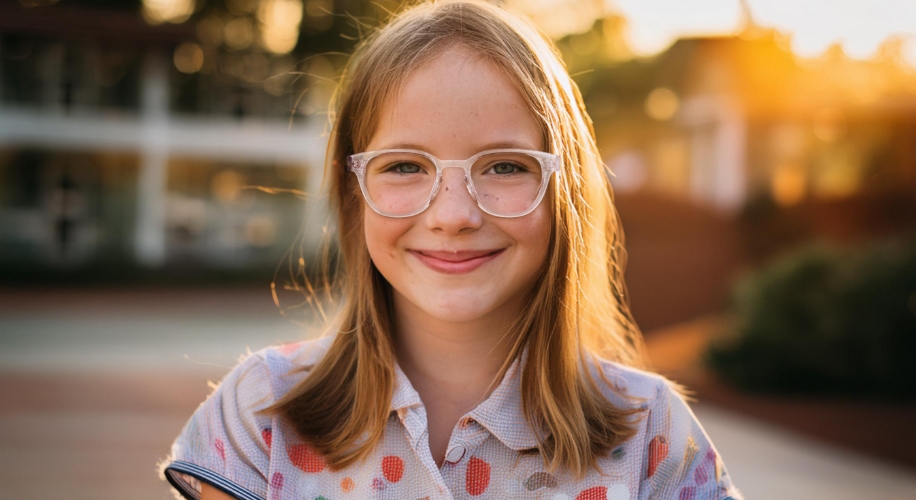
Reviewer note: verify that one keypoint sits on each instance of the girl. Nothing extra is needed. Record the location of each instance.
(484, 348)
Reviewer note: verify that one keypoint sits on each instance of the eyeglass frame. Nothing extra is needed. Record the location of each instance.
(549, 162)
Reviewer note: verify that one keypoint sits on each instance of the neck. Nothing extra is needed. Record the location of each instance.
(458, 360)
(452, 365)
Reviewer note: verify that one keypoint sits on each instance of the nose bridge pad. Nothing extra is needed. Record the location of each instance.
(435, 189)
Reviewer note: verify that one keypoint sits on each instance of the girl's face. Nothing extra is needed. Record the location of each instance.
(453, 262)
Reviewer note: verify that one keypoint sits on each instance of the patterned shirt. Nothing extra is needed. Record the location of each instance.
(255, 457)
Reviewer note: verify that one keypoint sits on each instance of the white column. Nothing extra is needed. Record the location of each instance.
(316, 204)
(718, 149)
(154, 155)
(731, 171)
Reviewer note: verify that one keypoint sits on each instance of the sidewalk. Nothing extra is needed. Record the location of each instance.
(96, 385)
(769, 462)
(880, 429)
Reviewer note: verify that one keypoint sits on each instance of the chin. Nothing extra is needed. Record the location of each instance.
(456, 316)
(456, 307)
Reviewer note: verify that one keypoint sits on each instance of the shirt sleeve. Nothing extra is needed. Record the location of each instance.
(681, 461)
(225, 444)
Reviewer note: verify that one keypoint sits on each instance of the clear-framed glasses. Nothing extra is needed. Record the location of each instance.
(503, 182)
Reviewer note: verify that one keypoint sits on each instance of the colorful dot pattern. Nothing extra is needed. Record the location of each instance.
(257, 457)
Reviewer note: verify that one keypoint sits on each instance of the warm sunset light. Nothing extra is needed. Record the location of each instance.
(561, 17)
(188, 58)
(656, 24)
(860, 27)
(662, 104)
(814, 25)
(171, 11)
(789, 184)
(279, 21)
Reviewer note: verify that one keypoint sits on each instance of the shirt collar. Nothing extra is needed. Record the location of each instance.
(405, 396)
(501, 413)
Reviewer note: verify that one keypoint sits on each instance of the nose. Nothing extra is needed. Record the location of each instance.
(453, 209)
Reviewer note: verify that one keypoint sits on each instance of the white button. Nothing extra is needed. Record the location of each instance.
(618, 492)
(455, 454)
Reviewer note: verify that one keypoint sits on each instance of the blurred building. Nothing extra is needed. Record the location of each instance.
(728, 150)
(128, 141)
(137, 132)
(723, 120)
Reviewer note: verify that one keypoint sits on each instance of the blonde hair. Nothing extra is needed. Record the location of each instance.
(577, 310)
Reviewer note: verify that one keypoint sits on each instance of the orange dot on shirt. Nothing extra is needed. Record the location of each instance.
(346, 484)
(302, 456)
(392, 468)
(595, 493)
(477, 477)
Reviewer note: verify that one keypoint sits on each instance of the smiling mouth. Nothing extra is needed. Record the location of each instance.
(455, 262)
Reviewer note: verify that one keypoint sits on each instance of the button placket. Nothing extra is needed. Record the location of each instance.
(414, 421)
(461, 441)
(455, 453)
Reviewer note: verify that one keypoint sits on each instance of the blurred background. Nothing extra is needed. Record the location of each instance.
(160, 208)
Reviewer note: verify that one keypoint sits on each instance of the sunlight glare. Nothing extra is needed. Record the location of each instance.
(814, 25)
(279, 21)
(909, 52)
(656, 24)
(171, 11)
(558, 18)
(859, 26)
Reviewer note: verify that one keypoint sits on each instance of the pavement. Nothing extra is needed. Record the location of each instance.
(95, 385)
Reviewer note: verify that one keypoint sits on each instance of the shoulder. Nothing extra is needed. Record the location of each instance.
(263, 376)
(673, 451)
(227, 441)
(631, 387)
(283, 366)
(304, 353)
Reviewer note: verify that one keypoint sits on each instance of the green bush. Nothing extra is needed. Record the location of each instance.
(826, 320)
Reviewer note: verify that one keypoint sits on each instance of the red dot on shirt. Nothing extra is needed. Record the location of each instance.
(701, 474)
(220, 448)
(594, 493)
(288, 349)
(393, 468)
(268, 435)
(477, 478)
(276, 481)
(687, 493)
(302, 456)
(658, 451)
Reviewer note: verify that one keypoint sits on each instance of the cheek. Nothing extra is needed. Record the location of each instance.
(382, 236)
(533, 234)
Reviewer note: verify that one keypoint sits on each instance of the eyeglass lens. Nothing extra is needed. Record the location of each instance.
(506, 183)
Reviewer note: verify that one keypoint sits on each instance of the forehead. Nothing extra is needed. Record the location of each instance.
(454, 106)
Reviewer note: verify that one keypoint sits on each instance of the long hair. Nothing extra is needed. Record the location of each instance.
(577, 310)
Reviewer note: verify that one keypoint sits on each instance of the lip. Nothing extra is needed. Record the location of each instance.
(459, 262)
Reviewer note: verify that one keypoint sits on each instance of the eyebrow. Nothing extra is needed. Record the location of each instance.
(485, 147)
